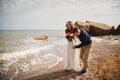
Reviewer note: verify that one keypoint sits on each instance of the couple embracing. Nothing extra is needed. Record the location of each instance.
(78, 48)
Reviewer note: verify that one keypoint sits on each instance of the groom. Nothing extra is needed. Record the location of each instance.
(85, 46)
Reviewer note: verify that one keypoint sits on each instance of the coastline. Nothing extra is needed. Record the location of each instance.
(104, 64)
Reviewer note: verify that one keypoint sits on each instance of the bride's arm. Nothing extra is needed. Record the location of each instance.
(74, 40)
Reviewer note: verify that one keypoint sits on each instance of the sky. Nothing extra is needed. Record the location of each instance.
(53, 14)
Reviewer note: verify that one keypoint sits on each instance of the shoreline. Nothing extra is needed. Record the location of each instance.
(104, 63)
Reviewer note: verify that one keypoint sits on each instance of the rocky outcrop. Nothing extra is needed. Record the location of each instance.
(99, 25)
(117, 31)
(43, 37)
(84, 25)
(97, 29)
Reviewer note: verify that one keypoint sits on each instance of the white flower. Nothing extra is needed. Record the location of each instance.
(71, 34)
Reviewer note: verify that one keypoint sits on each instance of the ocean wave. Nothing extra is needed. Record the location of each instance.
(6, 56)
(58, 59)
(97, 39)
(42, 64)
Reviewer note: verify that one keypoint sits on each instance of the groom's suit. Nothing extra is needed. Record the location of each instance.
(85, 46)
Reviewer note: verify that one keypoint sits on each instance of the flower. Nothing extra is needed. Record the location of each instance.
(69, 36)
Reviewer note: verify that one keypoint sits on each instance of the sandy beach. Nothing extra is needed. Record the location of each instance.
(104, 63)
(34, 44)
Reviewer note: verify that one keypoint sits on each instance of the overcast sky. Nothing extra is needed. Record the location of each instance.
(53, 14)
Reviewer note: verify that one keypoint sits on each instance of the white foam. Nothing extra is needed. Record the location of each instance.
(25, 67)
(97, 39)
(54, 60)
(6, 56)
(15, 74)
(59, 59)
(114, 42)
(10, 63)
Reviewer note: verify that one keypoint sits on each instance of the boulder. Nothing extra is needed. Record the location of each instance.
(84, 25)
(97, 29)
(43, 37)
(99, 25)
(117, 31)
(94, 28)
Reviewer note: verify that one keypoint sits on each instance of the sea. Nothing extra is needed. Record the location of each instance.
(12, 41)
(19, 49)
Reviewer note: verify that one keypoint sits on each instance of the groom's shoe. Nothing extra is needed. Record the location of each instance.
(82, 72)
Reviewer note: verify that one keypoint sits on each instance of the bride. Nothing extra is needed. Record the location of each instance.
(73, 61)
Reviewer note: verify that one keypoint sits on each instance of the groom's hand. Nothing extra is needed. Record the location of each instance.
(73, 47)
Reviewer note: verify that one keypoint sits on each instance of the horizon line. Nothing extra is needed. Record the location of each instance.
(30, 29)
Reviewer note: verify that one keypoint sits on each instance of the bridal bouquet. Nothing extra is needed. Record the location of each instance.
(69, 36)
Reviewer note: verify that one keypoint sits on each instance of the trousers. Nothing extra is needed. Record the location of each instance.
(84, 53)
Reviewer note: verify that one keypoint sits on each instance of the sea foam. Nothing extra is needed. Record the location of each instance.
(6, 56)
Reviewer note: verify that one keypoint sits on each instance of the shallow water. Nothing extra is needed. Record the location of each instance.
(19, 53)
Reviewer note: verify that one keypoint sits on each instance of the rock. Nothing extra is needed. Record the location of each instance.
(84, 25)
(113, 30)
(101, 73)
(43, 37)
(94, 28)
(99, 25)
(103, 66)
(56, 79)
(97, 29)
(116, 39)
(71, 79)
(95, 78)
(117, 31)
(80, 77)
(95, 71)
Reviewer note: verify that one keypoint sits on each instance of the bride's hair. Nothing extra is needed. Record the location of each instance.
(71, 23)
(69, 32)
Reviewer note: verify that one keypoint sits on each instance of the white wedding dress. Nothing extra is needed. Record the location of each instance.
(73, 61)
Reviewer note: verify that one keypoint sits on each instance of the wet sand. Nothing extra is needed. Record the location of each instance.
(104, 64)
